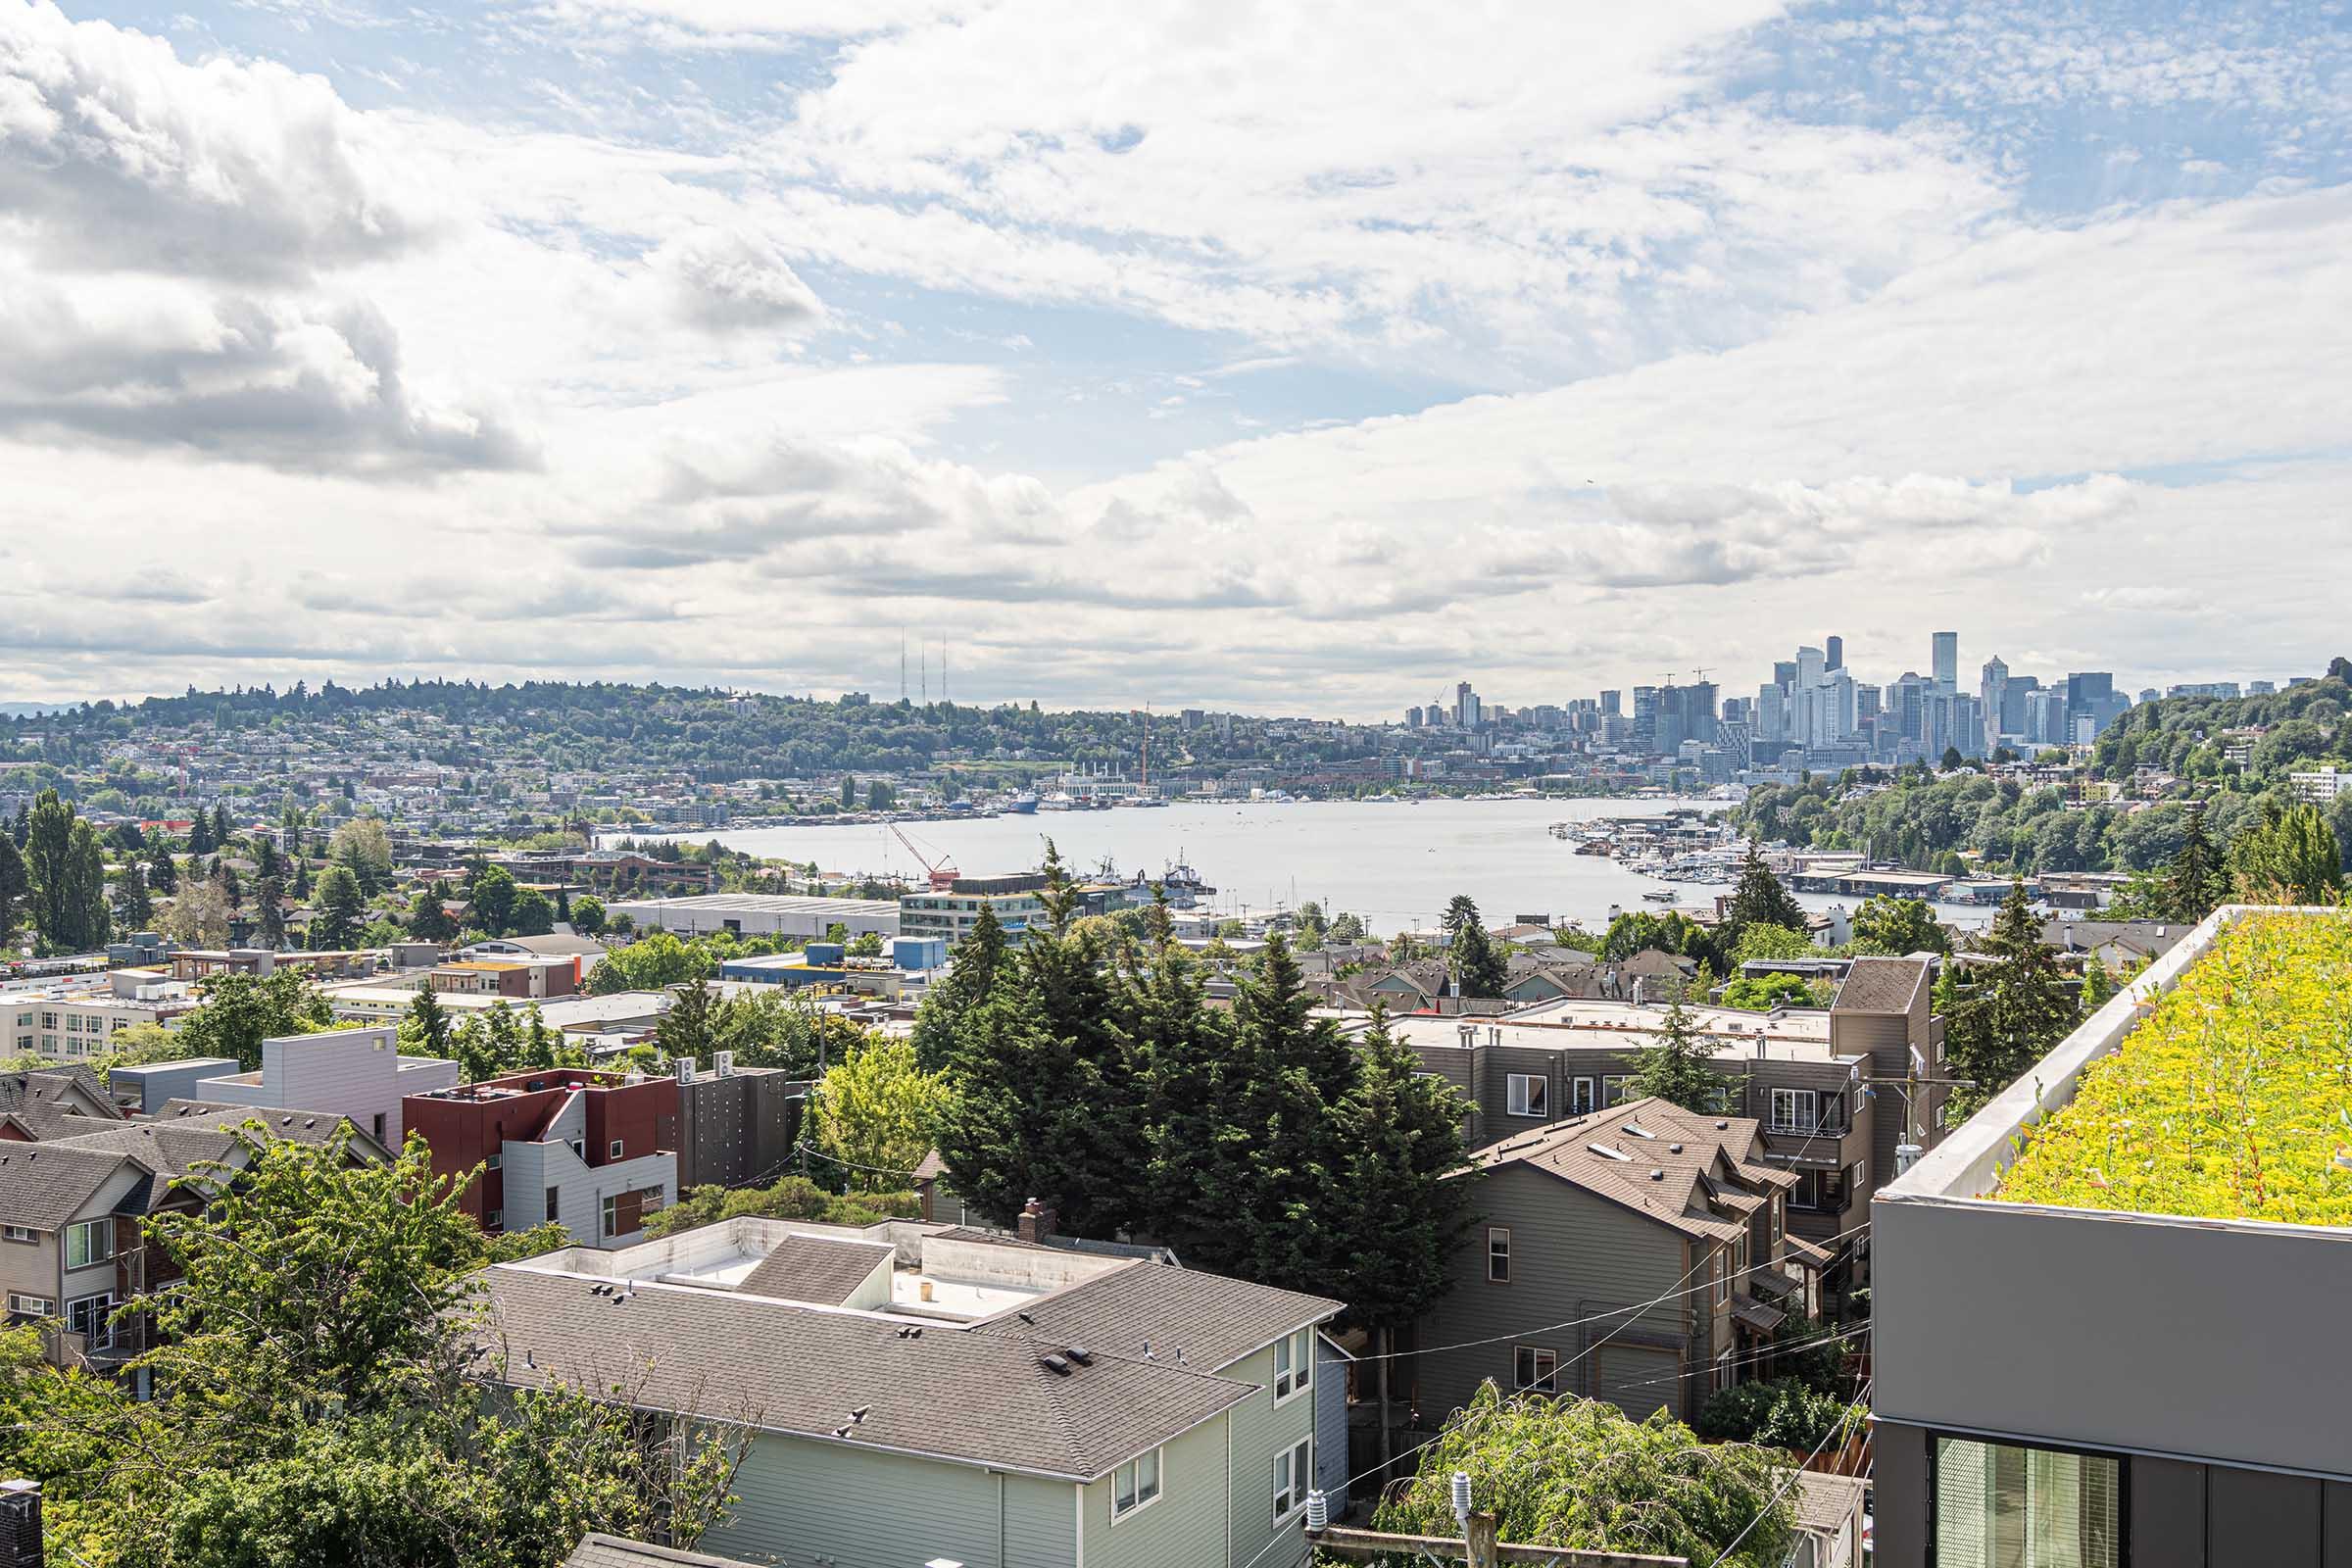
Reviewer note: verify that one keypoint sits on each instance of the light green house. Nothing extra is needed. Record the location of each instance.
(924, 1393)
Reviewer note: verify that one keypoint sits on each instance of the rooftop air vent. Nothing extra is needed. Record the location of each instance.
(1080, 1355)
(1656, 1175)
(1060, 1366)
(1606, 1152)
(1674, 1149)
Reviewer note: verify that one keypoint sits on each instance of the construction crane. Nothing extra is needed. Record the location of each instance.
(1700, 673)
(943, 870)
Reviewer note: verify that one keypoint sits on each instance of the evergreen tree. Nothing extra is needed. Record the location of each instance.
(1480, 968)
(1294, 1071)
(222, 831)
(15, 885)
(269, 911)
(267, 861)
(691, 1025)
(427, 1026)
(1678, 1065)
(21, 828)
(970, 980)
(2005, 1015)
(162, 872)
(341, 910)
(1183, 1055)
(1398, 1209)
(1462, 913)
(134, 910)
(200, 833)
(230, 888)
(429, 921)
(564, 905)
(2195, 882)
(1760, 900)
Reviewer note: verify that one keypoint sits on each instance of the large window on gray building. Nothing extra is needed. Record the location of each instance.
(1999, 1505)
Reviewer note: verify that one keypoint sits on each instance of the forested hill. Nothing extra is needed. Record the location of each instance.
(1927, 822)
(715, 733)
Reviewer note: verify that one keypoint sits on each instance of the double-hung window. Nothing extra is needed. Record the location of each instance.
(1527, 1093)
(1612, 1089)
(1294, 1477)
(1293, 1364)
(1535, 1370)
(90, 1241)
(1723, 1276)
(610, 1210)
(1792, 1111)
(1135, 1484)
(1499, 1254)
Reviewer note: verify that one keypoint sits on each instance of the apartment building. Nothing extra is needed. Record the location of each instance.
(359, 1073)
(592, 1150)
(947, 914)
(70, 1017)
(1582, 1221)
(1817, 1084)
(1000, 1402)
(2110, 1309)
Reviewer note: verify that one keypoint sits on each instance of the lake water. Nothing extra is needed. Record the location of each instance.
(1395, 864)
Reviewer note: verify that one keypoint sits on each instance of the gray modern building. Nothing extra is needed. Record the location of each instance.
(2135, 1386)
(359, 1073)
(736, 1125)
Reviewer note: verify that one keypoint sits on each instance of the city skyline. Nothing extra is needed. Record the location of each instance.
(618, 338)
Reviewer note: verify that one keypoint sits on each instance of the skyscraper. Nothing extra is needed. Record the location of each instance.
(1467, 709)
(1611, 703)
(1946, 666)
(1994, 701)
(1836, 653)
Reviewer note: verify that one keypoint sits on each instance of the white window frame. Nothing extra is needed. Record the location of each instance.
(1503, 1232)
(1727, 1372)
(607, 1210)
(103, 1228)
(1612, 1089)
(616, 1151)
(19, 1232)
(1130, 1478)
(1294, 1478)
(21, 1305)
(1722, 1266)
(1543, 1361)
(1803, 1115)
(1294, 1365)
(1582, 1100)
(99, 1328)
(1527, 1093)
(496, 1161)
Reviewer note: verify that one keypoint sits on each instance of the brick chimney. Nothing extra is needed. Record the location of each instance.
(20, 1524)
(1035, 1225)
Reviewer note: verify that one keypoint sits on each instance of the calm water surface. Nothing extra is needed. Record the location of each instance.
(1395, 864)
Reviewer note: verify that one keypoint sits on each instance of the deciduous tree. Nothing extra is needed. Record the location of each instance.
(876, 1114)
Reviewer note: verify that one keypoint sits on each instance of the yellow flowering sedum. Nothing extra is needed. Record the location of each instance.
(2232, 1098)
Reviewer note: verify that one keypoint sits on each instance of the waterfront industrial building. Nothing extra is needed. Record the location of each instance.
(759, 915)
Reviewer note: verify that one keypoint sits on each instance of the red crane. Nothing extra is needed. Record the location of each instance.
(943, 870)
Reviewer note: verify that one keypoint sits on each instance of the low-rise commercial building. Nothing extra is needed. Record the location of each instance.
(2110, 1309)
(75, 1016)
(759, 915)
(947, 914)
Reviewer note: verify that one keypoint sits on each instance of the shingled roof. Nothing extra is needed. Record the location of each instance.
(1881, 984)
(1654, 1158)
(943, 1392)
(824, 1269)
(1213, 1320)
(613, 1552)
(42, 1186)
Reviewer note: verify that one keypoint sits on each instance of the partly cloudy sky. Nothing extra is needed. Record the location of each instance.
(1297, 358)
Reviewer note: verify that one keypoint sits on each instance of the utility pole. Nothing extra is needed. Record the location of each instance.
(1912, 1143)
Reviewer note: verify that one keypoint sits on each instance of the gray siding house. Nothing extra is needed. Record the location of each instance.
(1637, 1254)
(1008, 1404)
(358, 1073)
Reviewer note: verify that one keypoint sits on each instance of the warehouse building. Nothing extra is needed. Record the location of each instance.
(759, 915)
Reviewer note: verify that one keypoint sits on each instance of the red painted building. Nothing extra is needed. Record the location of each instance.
(596, 1150)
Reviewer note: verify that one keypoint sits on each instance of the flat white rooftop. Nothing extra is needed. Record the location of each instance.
(1798, 1035)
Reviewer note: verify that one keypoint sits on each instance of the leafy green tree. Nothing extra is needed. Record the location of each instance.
(1347, 928)
(790, 1198)
(1398, 1209)
(493, 895)
(2197, 881)
(533, 915)
(849, 791)
(2289, 857)
(1679, 1065)
(341, 909)
(1581, 1474)
(588, 915)
(362, 847)
(16, 886)
(326, 1401)
(1771, 943)
(1312, 926)
(241, 1011)
(1951, 761)
(653, 962)
(21, 828)
(1894, 927)
(866, 945)
(2005, 1015)
(876, 1114)
(1765, 992)
(1779, 1413)
(198, 916)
